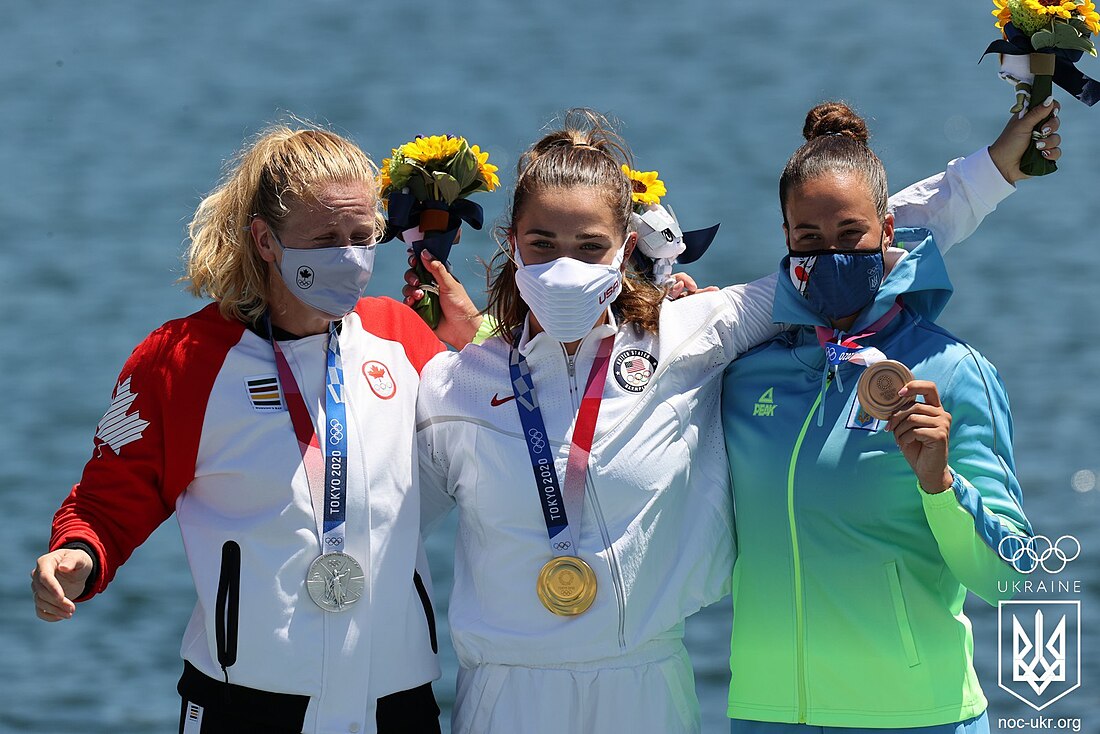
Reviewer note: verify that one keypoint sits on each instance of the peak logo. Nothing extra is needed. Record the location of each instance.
(765, 404)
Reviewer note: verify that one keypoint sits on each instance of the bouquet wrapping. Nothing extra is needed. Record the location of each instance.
(425, 185)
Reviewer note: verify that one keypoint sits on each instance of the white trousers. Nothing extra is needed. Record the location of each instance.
(651, 690)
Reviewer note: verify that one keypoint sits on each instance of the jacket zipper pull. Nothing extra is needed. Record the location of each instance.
(571, 361)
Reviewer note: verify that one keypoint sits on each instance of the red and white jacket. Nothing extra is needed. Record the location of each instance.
(197, 426)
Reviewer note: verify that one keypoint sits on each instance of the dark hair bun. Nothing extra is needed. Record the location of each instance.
(835, 118)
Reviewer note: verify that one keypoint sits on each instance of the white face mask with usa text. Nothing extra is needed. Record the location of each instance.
(569, 296)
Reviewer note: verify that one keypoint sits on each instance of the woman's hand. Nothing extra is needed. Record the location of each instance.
(1009, 147)
(461, 319)
(685, 285)
(58, 578)
(922, 431)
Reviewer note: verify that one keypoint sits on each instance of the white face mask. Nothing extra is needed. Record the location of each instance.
(330, 279)
(569, 296)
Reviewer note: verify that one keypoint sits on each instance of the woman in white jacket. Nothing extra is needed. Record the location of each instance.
(583, 447)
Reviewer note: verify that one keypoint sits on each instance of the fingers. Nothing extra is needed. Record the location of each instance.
(1033, 117)
(918, 427)
(438, 270)
(686, 281)
(677, 290)
(50, 602)
(922, 388)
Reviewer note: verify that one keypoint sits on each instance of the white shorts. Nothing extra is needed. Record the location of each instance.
(649, 690)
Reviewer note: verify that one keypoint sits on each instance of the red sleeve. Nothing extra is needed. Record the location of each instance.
(145, 445)
(388, 319)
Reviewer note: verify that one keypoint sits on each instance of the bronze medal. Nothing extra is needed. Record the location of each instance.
(878, 388)
(566, 586)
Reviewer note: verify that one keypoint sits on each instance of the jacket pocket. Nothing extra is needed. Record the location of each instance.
(429, 613)
(228, 605)
(901, 614)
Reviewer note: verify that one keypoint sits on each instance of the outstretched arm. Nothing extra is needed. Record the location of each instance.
(953, 203)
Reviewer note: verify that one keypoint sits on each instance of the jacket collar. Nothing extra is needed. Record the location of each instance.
(543, 344)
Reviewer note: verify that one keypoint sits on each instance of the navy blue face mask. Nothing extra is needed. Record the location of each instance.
(837, 284)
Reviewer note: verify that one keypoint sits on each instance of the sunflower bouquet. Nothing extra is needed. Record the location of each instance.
(426, 184)
(1042, 41)
(661, 243)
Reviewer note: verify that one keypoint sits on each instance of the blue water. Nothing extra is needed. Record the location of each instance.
(116, 118)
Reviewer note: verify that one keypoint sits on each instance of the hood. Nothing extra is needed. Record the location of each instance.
(918, 275)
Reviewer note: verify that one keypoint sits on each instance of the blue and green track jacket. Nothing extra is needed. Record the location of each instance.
(849, 583)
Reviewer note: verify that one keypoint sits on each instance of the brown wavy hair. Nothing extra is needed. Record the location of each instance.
(836, 142)
(584, 151)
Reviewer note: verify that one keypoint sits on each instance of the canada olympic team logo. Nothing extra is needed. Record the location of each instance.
(379, 379)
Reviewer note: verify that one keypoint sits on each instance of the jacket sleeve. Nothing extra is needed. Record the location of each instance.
(146, 445)
(980, 520)
(953, 203)
(747, 316)
(120, 498)
(435, 499)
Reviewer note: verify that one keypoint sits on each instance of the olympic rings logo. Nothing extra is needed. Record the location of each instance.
(1038, 550)
(538, 441)
(335, 431)
(334, 541)
(562, 546)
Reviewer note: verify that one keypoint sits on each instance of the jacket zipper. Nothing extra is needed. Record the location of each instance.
(799, 608)
(612, 559)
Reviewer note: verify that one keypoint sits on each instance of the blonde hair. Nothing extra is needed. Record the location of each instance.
(282, 165)
(584, 152)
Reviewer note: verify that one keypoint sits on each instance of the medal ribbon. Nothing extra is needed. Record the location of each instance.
(326, 473)
(559, 506)
(848, 349)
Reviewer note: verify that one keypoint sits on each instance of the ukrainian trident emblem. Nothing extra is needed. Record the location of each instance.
(1044, 639)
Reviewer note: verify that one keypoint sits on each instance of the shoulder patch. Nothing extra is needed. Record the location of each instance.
(634, 369)
(119, 426)
(263, 392)
(379, 379)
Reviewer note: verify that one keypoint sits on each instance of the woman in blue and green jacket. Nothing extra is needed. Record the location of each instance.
(858, 538)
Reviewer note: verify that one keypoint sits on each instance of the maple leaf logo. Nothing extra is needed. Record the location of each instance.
(376, 372)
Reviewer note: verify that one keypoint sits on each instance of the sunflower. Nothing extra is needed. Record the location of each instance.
(1003, 13)
(1035, 15)
(1087, 11)
(487, 171)
(432, 151)
(384, 181)
(648, 189)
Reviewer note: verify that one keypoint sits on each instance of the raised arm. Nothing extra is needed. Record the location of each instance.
(953, 203)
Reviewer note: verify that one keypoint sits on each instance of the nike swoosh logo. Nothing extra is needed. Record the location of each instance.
(500, 401)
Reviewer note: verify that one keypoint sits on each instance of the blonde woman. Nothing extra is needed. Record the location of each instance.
(277, 423)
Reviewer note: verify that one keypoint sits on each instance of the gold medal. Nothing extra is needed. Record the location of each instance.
(878, 388)
(566, 585)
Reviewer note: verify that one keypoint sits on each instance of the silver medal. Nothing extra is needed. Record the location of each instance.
(335, 581)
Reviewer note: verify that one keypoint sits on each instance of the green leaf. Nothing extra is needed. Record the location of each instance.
(418, 187)
(464, 167)
(1081, 26)
(448, 186)
(1065, 32)
(1043, 39)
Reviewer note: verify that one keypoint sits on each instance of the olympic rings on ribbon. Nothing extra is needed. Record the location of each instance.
(562, 546)
(538, 443)
(335, 431)
(1037, 550)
